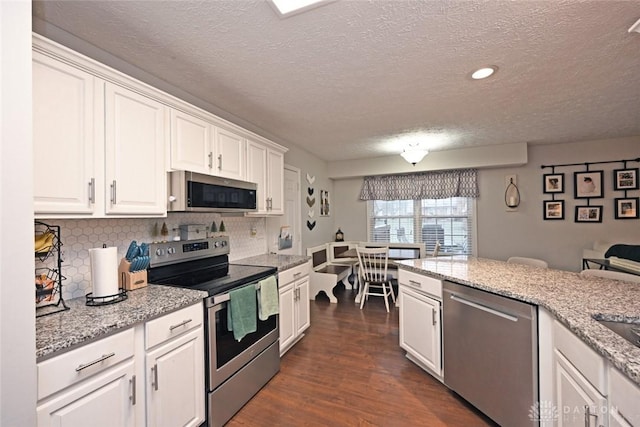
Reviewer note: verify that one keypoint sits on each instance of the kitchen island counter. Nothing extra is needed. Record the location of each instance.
(82, 324)
(281, 262)
(572, 299)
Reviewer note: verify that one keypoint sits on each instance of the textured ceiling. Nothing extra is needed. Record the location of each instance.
(340, 79)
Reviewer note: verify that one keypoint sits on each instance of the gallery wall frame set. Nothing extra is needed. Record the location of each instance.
(587, 185)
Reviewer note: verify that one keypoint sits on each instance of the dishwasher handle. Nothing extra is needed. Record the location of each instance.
(484, 308)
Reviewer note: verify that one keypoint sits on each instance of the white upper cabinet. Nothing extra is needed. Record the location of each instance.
(265, 167)
(64, 100)
(135, 132)
(190, 143)
(198, 145)
(229, 154)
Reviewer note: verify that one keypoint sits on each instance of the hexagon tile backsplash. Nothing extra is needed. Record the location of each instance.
(80, 235)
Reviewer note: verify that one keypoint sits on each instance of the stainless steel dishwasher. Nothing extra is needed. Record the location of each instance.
(491, 353)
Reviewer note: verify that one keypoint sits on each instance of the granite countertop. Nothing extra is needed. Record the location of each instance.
(572, 299)
(67, 329)
(281, 262)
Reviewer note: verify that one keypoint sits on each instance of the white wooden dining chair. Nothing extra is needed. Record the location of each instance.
(528, 261)
(609, 274)
(374, 280)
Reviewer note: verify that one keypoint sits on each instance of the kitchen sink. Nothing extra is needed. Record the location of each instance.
(627, 330)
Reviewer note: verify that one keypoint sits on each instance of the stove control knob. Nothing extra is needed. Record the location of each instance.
(171, 250)
(223, 243)
(216, 244)
(159, 252)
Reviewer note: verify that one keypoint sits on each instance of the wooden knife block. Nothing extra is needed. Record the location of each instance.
(131, 280)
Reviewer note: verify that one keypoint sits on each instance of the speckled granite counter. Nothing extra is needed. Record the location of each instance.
(81, 324)
(573, 300)
(281, 262)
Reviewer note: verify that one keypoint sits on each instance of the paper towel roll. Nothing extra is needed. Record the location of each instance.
(104, 271)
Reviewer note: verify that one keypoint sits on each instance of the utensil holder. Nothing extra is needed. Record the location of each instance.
(131, 280)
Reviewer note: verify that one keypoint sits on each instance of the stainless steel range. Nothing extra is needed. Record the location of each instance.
(236, 370)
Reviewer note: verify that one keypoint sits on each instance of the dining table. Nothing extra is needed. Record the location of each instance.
(350, 256)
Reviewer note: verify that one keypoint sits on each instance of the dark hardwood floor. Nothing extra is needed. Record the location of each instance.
(350, 371)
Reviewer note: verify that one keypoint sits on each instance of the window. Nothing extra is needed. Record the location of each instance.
(450, 222)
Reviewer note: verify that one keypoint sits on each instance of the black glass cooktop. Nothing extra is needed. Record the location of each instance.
(209, 275)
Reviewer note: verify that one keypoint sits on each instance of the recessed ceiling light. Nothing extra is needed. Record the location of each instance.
(291, 7)
(484, 72)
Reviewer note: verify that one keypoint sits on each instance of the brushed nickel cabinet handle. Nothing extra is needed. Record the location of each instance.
(433, 317)
(210, 159)
(132, 381)
(92, 191)
(154, 372)
(414, 283)
(113, 192)
(219, 161)
(184, 322)
(98, 360)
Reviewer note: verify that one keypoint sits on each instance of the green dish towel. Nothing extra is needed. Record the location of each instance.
(268, 303)
(241, 311)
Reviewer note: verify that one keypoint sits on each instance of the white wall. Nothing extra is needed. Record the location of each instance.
(502, 234)
(326, 227)
(17, 312)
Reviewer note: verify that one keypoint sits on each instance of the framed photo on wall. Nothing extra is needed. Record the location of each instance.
(625, 179)
(588, 185)
(588, 213)
(553, 209)
(626, 208)
(324, 203)
(553, 183)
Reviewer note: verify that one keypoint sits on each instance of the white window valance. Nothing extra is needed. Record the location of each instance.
(423, 185)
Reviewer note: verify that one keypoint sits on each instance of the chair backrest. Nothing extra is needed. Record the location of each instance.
(373, 263)
(528, 261)
(609, 274)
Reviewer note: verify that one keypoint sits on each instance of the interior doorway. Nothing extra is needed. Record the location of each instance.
(291, 217)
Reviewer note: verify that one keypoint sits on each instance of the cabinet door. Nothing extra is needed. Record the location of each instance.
(303, 320)
(574, 394)
(287, 317)
(135, 131)
(257, 172)
(275, 169)
(229, 155)
(63, 137)
(420, 329)
(104, 400)
(175, 384)
(190, 143)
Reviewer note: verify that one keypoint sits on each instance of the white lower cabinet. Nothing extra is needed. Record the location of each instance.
(294, 316)
(175, 382)
(624, 397)
(105, 400)
(151, 374)
(579, 404)
(419, 298)
(580, 381)
(420, 328)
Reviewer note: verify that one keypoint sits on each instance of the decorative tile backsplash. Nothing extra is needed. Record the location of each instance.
(247, 237)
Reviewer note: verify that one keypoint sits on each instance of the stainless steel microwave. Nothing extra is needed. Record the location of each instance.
(195, 192)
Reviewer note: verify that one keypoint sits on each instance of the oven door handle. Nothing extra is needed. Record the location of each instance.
(217, 300)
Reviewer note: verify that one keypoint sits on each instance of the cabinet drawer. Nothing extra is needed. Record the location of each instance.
(69, 368)
(624, 397)
(590, 364)
(420, 282)
(171, 325)
(295, 273)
